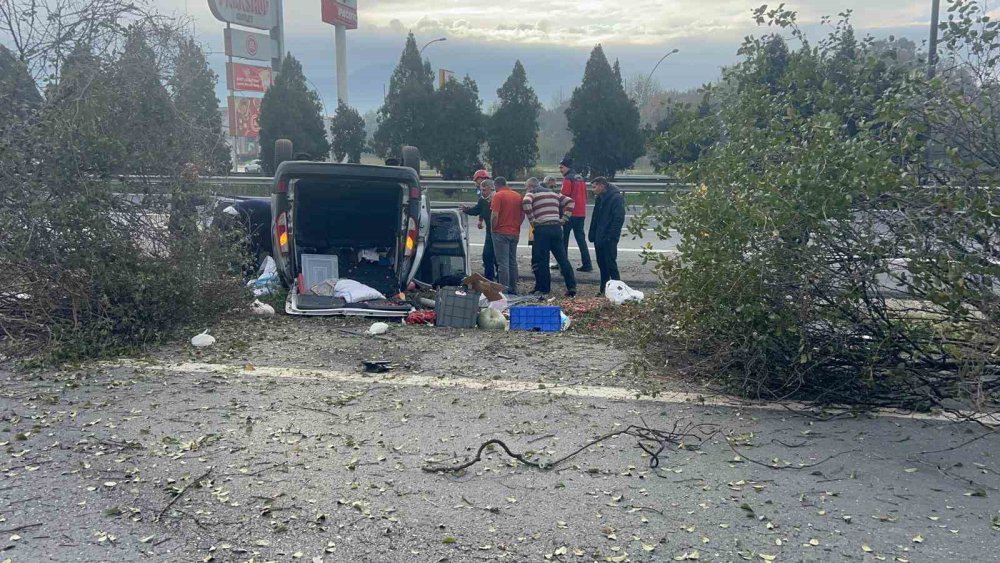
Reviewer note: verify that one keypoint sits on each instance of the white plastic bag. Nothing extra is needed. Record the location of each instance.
(203, 340)
(500, 304)
(618, 292)
(261, 309)
(356, 292)
(267, 281)
(377, 329)
(566, 321)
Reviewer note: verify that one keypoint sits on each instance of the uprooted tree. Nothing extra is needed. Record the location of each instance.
(827, 253)
(97, 268)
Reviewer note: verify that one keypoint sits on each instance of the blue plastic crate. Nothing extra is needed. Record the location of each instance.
(536, 318)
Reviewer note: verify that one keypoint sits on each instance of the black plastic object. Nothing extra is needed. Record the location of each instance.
(457, 307)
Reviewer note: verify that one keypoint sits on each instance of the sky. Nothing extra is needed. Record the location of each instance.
(552, 38)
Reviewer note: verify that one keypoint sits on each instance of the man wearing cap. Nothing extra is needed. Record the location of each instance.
(547, 212)
(482, 210)
(575, 186)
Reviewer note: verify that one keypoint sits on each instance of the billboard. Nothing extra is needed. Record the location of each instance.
(249, 45)
(341, 12)
(243, 115)
(248, 78)
(259, 14)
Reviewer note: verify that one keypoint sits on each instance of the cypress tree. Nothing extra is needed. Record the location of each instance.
(603, 120)
(406, 117)
(348, 133)
(290, 110)
(193, 88)
(17, 89)
(513, 128)
(457, 136)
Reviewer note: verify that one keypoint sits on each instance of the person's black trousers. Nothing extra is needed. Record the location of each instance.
(489, 260)
(607, 261)
(576, 225)
(549, 239)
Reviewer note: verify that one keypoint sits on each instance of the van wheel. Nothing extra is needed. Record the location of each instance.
(411, 158)
(282, 152)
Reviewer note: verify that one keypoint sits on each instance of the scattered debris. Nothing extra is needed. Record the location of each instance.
(377, 329)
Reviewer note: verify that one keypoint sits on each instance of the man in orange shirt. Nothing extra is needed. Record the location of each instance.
(507, 215)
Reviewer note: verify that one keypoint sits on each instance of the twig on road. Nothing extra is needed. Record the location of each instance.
(963, 444)
(19, 528)
(181, 493)
(794, 467)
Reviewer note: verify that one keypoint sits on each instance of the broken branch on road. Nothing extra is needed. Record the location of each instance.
(653, 442)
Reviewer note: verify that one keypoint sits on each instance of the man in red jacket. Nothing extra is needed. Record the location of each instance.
(575, 186)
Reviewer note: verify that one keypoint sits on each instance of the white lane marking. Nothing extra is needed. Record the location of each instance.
(631, 250)
(514, 386)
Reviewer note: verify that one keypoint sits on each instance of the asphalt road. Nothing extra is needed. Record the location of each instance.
(272, 449)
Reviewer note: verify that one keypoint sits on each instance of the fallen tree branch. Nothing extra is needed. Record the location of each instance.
(795, 467)
(651, 441)
(181, 493)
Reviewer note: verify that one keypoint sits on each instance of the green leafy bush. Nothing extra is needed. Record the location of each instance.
(815, 258)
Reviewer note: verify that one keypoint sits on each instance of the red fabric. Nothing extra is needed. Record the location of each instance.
(509, 214)
(421, 318)
(576, 189)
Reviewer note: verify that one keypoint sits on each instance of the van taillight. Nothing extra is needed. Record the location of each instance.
(283, 187)
(411, 237)
(281, 233)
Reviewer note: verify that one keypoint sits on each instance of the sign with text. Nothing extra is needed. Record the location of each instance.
(249, 45)
(341, 12)
(243, 117)
(248, 78)
(259, 14)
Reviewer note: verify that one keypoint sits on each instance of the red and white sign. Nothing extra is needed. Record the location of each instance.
(341, 12)
(248, 78)
(249, 45)
(243, 117)
(260, 14)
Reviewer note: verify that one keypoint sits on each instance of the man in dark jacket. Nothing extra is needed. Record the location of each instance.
(606, 229)
(482, 210)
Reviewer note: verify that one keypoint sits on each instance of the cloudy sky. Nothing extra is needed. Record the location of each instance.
(551, 37)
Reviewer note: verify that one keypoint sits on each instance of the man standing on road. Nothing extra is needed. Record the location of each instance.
(606, 229)
(507, 216)
(550, 183)
(482, 210)
(575, 187)
(547, 212)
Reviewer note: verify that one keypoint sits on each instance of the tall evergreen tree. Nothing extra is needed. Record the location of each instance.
(147, 125)
(513, 128)
(456, 138)
(348, 133)
(603, 120)
(193, 88)
(406, 117)
(290, 110)
(79, 117)
(17, 89)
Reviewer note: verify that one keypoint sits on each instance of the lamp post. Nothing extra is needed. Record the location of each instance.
(430, 42)
(657, 65)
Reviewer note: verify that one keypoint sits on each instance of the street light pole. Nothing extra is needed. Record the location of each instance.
(430, 42)
(932, 56)
(649, 78)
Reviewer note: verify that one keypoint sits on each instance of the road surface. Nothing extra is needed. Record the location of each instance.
(283, 449)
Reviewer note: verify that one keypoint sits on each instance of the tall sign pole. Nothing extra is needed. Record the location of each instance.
(343, 15)
(340, 34)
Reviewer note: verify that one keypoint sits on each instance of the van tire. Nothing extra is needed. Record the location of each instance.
(411, 158)
(282, 152)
